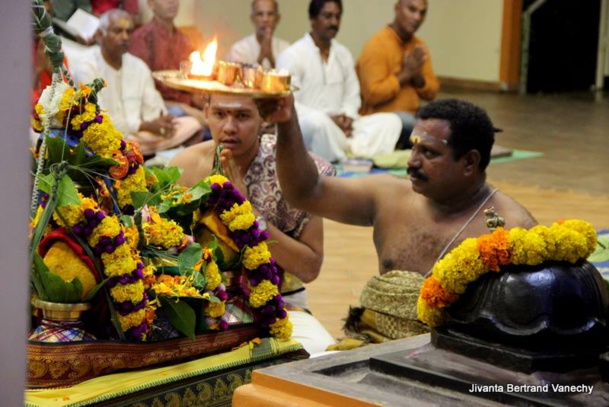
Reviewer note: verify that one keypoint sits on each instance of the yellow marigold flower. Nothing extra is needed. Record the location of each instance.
(215, 309)
(164, 233)
(242, 222)
(527, 247)
(282, 329)
(217, 179)
(132, 320)
(256, 256)
(118, 263)
(237, 210)
(586, 229)
(72, 214)
(128, 292)
(429, 315)
(135, 182)
(132, 236)
(103, 138)
(212, 275)
(108, 227)
(62, 261)
(262, 293)
(36, 124)
(34, 221)
(459, 267)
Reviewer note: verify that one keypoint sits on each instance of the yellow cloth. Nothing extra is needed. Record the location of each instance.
(106, 387)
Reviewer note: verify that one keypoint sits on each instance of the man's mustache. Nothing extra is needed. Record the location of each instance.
(414, 172)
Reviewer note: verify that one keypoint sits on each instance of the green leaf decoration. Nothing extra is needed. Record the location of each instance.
(601, 253)
(126, 220)
(57, 150)
(140, 199)
(38, 266)
(93, 292)
(45, 183)
(189, 257)
(166, 176)
(67, 191)
(199, 281)
(180, 315)
(55, 288)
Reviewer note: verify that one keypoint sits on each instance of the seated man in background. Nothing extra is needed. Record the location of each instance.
(162, 46)
(416, 221)
(132, 101)
(329, 98)
(99, 7)
(394, 68)
(261, 47)
(248, 160)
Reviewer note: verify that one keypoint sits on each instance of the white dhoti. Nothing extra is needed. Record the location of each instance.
(374, 134)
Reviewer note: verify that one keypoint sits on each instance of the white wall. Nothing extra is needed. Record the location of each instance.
(465, 38)
(464, 35)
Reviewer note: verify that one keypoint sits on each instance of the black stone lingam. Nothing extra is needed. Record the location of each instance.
(553, 317)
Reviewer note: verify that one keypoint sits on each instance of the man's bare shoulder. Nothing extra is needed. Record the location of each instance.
(513, 211)
(195, 161)
(191, 154)
(385, 188)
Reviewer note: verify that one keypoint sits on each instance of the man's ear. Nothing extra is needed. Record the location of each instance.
(471, 160)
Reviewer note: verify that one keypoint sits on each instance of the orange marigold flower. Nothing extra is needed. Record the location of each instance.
(435, 295)
(494, 249)
(120, 170)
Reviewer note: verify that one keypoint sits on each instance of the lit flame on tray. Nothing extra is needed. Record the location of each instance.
(203, 65)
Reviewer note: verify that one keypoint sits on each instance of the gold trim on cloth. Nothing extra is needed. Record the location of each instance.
(66, 364)
(106, 388)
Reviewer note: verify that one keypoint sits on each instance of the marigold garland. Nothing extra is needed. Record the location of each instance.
(261, 272)
(569, 240)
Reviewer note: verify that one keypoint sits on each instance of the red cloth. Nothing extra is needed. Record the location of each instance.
(162, 48)
(99, 7)
(44, 79)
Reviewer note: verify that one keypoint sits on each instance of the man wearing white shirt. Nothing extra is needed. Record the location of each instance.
(130, 97)
(261, 47)
(329, 97)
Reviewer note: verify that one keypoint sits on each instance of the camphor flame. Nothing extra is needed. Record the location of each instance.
(203, 65)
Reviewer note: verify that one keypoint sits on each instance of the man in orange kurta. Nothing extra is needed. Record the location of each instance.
(394, 68)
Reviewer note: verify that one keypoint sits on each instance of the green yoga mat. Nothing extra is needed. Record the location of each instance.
(395, 162)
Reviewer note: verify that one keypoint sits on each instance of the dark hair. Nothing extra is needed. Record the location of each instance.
(470, 127)
(315, 7)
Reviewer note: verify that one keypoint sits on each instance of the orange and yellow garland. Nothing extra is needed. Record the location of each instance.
(570, 241)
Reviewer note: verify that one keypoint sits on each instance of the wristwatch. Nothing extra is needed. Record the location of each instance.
(262, 225)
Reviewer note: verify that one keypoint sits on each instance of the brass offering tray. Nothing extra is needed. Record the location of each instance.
(178, 80)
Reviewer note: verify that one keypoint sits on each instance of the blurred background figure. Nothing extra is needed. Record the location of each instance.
(261, 47)
(162, 46)
(395, 70)
(130, 97)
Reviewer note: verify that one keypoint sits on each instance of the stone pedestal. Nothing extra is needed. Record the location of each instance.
(413, 372)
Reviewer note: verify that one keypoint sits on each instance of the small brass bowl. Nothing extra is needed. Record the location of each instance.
(251, 75)
(275, 80)
(228, 72)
